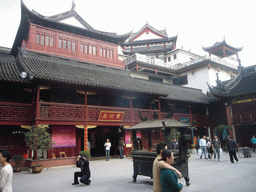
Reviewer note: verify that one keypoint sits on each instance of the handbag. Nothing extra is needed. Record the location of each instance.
(199, 152)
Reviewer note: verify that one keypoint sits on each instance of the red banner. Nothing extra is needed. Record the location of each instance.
(111, 116)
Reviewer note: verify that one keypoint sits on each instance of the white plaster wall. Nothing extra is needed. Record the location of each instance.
(198, 79)
(181, 58)
(138, 75)
(224, 75)
(168, 81)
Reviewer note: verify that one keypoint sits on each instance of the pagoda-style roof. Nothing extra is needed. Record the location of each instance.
(149, 36)
(146, 29)
(28, 17)
(47, 70)
(222, 49)
(145, 50)
(158, 124)
(243, 84)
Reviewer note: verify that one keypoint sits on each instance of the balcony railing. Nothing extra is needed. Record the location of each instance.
(15, 112)
(57, 111)
(62, 112)
(143, 58)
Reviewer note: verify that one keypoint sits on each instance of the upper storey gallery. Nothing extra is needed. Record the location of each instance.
(49, 35)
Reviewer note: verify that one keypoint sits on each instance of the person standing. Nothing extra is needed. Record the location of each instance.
(169, 179)
(216, 145)
(6, 173)
(121, 145)
(107, 146)
(197, 144)
(202, 145)
(232, 147)
(174, 144)
(209, 148)
(253, 141)
(85, 172)
(158, 165)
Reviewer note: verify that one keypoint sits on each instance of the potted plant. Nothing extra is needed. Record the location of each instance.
(38, 138)
(86, 154)
(18, 160)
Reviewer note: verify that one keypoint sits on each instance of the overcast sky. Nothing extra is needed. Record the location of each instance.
(196, 22)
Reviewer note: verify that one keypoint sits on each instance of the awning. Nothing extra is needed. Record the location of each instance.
(158, 124)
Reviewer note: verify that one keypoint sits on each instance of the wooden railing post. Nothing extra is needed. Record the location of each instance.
(37, 113)
(131, 111)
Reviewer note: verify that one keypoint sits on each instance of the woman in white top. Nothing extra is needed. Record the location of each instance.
(107, 146)
(6, 172)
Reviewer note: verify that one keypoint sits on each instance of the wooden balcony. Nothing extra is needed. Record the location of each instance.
(16, 113)
(73, 114)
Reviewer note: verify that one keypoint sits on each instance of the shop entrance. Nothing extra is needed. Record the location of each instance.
(97, 138)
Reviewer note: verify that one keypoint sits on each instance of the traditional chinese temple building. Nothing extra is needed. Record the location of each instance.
(71, 79)
(239, 97)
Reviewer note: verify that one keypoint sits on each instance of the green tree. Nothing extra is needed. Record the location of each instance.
(38, 138)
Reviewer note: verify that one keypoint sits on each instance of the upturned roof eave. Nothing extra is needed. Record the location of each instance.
(28, 16)
(218, 45)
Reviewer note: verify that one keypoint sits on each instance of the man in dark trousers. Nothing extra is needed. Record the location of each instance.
(85, 173)
(232, 147)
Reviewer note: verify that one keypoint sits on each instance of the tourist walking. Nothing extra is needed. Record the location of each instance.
(202, 145)
(197, 144)
(107, 146)
(216, 145)
(232, 147)
(209, 148)
(121, 145)
(253, 141)
(6, 173)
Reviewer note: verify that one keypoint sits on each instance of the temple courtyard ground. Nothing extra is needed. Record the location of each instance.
(116, 176)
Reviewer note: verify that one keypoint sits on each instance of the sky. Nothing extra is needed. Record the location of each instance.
(198, 23)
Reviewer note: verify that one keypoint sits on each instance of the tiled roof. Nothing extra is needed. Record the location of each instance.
(221, 44)
(50, 70)
(243, 84)
(157, 124)
(9, 70)
(149, 41)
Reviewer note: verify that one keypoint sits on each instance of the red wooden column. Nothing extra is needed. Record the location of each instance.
(86, 138)
(229, 118)
(85, 126)
(37, 112)
(131, 110)
(159, 109)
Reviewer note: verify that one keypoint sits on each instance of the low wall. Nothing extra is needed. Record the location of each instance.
(51, 162)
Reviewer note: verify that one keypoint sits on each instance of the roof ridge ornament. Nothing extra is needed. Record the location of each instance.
(73, 6)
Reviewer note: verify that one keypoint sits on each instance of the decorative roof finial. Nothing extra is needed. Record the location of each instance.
(73, 5)
(218, 79)
(240, 65)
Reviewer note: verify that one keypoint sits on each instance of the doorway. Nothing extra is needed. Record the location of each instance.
(97, 138)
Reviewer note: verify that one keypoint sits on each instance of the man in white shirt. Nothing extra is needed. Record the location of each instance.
(158, 165)
(202, 144)
(6, 172)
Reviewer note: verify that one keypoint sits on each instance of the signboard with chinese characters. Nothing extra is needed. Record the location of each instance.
(111, 116)
(184, 119)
